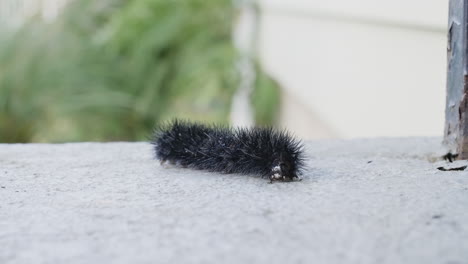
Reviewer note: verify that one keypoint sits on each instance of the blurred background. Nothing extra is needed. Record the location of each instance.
(83, 70)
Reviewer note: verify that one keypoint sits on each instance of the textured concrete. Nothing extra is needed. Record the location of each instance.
(362, 201)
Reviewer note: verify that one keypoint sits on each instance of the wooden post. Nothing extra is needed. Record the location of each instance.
(456, 111)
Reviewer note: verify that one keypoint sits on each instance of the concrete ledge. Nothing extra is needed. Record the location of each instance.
(362, 201)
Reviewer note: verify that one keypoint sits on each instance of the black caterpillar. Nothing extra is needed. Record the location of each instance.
(265, 151)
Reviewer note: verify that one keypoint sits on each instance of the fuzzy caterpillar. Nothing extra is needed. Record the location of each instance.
(264, 151)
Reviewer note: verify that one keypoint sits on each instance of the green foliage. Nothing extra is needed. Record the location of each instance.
(110, 69)
(265, 99)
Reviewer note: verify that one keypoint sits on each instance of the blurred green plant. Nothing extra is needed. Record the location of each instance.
(109, 70)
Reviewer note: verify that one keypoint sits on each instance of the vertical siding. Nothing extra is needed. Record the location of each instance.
(367, 74)
(14, 12)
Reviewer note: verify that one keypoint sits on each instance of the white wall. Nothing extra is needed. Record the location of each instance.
(358, 68)
(13, 13)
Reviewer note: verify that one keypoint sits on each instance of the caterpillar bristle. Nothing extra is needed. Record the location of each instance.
(264, 151)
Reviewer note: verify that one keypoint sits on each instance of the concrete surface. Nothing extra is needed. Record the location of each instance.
(362, 201)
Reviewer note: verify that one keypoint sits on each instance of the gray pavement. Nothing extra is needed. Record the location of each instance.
(361, 201)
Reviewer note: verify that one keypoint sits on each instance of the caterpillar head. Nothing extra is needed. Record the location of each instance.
(283, 171)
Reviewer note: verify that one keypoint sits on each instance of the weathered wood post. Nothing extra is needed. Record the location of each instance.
(456, 111)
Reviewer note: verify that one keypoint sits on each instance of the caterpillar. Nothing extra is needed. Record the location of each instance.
(263, 151)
